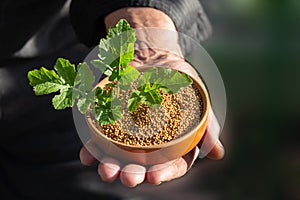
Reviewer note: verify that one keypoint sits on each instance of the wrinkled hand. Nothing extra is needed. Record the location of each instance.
(131, 175)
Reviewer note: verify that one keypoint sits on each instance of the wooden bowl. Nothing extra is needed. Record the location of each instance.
(155, 154)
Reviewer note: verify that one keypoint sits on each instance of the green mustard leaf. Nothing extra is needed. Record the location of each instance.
(103, 96)
(85, 78)
(174, 81)
(121, 26)
(168, 80)
(156, 75)
(107, 108)
(152, 98)
(114, 75)
(148, 76)
(63, 100)
(134, 101)
(42, 75)
(116, 108)
(117, 49)
(84, 87)
(108, 55)
(187, 77)
(128, 75)
(105, 69)
(65, 70)
(46, 81)
(84, 101)
(155, 80)
(48, 87)
(104, 116)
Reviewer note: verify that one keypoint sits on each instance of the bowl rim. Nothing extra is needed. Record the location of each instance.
(204, 116)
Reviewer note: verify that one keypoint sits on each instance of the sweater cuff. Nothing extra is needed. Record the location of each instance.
(87, 17)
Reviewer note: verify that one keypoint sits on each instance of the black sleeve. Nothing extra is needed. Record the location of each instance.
(87, 16)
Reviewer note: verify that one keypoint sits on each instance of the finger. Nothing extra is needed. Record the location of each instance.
(132, 175)
(173, 169)
(217, 151)
(191, 157)
(85, 157)
(109, 169)
(167, 171)
(210, 145)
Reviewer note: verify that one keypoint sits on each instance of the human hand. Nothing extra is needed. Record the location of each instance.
(149, 45)
(131, 175)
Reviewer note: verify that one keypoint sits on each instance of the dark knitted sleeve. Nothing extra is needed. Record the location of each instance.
(87, 16)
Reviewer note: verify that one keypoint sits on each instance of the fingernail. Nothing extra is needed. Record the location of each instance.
(221, 148)
(220, 144)
(201, 155)
(158, 183)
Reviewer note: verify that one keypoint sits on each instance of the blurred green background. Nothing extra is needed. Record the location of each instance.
(256, 45)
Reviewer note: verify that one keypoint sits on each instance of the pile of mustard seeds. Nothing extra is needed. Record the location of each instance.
(135, 128)
(141, 116)
(178, 114)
